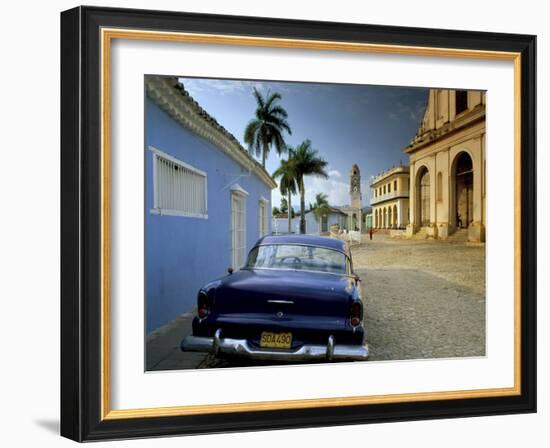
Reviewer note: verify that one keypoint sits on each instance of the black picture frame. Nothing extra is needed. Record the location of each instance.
(81, 223)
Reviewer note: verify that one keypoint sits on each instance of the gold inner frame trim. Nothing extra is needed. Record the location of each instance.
(107, 35)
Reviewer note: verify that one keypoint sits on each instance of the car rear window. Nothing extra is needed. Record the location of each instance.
(298, 257)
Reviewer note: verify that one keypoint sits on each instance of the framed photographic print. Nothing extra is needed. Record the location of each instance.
(275, 224)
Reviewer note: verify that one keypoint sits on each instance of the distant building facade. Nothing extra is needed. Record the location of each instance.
(349, 217)
(314, 225)
(279, 224)
(207, 201)
(367, 218)
(447, 166)
(321, 225)
(390, 199)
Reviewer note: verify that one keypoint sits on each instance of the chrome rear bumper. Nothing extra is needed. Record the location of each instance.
(241, 347)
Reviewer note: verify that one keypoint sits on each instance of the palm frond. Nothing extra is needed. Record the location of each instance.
(275, 96)
(266, 130)
(321, 199)
(258, 142)
(280, 145)
(278, 110)
(284, 125)
(279, 124)
(250, 131)
(287, 173)
(259, 99)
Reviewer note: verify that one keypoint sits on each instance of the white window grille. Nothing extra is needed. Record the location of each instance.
(238, 227)
(262, 216)
(179, 189)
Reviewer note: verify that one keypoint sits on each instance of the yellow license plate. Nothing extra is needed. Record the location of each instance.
(275, 340)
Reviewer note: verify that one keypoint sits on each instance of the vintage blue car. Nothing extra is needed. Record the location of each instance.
(296, 299)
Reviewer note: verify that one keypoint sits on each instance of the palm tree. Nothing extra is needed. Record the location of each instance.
(306, 163)
(288, 184)
(284, 205)
(267, 128)
(321, 207)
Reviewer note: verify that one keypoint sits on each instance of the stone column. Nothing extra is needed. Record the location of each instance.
(433, 196)
(412, 199)
(404, 210)
(433, 190)
(476, 231)
(442, 167)
(399, 221)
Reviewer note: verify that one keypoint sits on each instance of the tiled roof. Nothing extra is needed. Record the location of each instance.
(210, 119)
(171, 96)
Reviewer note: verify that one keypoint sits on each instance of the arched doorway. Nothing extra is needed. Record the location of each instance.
(390, 218)
(395, 223)
(423, 196)
(464, 191)
(384, 218)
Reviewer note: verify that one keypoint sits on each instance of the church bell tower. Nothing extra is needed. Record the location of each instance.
(355, 187)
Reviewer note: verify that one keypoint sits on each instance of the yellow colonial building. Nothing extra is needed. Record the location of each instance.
(390, 199)
(447, 166)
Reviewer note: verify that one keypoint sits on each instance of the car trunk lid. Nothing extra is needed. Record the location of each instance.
(284, 293)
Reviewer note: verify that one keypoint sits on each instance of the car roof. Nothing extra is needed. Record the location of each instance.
(308, 240)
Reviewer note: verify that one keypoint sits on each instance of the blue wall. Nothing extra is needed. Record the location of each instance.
(181, 253)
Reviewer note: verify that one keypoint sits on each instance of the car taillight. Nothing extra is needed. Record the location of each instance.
(203, 305)
(356, 313)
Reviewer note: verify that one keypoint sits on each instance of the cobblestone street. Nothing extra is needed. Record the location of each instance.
(423, 298)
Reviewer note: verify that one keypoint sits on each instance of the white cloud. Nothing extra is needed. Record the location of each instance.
(336, 191)
(221, 86)
(228, 86)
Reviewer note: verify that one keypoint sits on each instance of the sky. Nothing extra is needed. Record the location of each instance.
(347, 124)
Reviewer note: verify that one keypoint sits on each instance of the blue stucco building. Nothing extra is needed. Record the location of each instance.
(207, 201)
